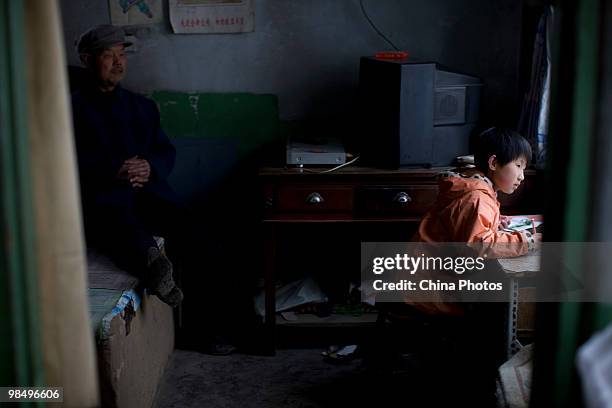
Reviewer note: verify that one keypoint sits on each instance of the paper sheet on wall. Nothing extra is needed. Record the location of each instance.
(212, 16)
(133, 12)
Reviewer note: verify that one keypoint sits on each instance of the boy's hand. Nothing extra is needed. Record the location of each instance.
(504, 221)
(537, 238)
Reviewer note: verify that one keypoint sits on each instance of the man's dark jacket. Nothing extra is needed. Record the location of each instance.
(110, 128)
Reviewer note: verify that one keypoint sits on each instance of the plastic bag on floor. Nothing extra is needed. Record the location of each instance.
(515, 378)
(291, 295)
(594, 362)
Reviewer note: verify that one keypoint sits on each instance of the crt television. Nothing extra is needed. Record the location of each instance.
(415, 114)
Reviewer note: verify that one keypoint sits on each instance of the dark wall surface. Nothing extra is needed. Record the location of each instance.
(307, 51)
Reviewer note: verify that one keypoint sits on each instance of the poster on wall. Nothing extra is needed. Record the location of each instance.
(212, 16)
(132, 12)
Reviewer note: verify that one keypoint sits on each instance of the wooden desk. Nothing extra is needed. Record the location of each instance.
(354, 196)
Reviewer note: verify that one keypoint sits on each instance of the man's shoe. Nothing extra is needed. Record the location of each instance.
(159, 280)
(219, 346)
(221, 349)
(173, 298)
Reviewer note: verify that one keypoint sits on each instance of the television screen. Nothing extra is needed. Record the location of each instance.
(415, 114)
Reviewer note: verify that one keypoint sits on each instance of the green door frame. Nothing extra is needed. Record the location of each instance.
(577, 208)
(20, 333)
(563, 327)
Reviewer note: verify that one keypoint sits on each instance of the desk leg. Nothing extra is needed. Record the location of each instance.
(512, 341)
(271, 249)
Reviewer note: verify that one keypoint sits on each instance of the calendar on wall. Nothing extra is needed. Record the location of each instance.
(212, 16)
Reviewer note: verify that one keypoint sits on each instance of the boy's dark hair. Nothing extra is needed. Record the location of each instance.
(505, 144)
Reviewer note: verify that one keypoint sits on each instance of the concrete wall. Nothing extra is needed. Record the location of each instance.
(307, 51)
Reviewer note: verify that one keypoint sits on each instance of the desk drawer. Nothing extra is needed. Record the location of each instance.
(291, 198)
(381, 200)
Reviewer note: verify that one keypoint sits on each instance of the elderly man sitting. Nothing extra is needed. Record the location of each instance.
(124, 158)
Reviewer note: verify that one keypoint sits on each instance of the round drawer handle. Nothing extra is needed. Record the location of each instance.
(402, 198)
(314, 198)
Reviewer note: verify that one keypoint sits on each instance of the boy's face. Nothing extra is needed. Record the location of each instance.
(508, 177)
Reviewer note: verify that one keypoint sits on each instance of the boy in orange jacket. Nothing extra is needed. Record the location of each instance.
(467, 209)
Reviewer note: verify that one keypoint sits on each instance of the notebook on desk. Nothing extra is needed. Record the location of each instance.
(529, 263)
(524, 222)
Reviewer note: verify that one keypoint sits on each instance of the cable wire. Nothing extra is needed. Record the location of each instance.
(332, 169)
(365, 14)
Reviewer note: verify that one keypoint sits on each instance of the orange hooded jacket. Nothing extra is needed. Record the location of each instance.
(467, 210)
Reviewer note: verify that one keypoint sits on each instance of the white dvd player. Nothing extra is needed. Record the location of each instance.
(315, 152)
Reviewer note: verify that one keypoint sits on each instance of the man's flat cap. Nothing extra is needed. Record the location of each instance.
(101, 37)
